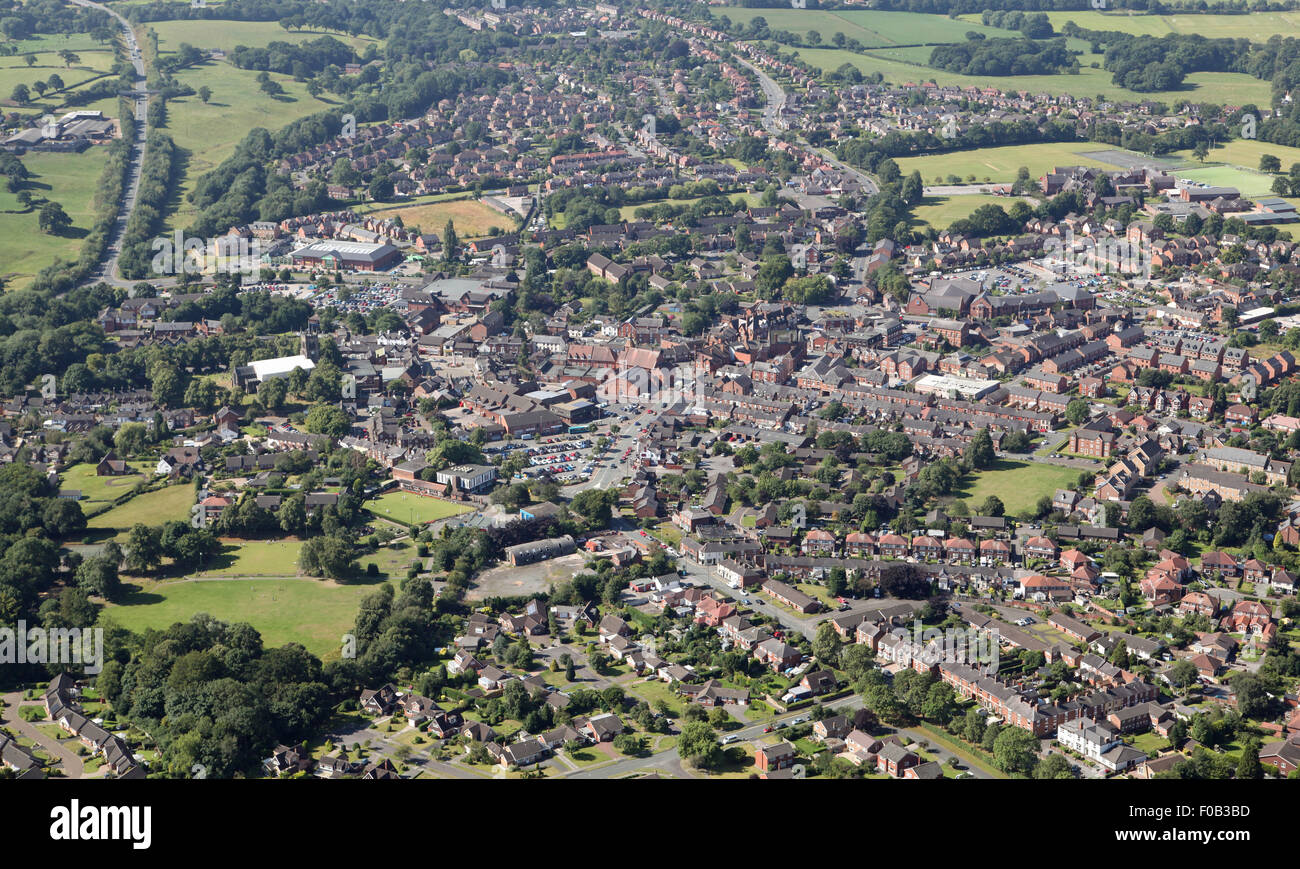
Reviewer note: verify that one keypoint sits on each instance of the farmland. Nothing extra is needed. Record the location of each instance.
(872, 28)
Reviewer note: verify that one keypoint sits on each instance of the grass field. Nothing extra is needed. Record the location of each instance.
(308, 611)
(471, 217)
(1018, 484)
(406, 507)
(256, 558)
(151, 508)
(1250, 183)
(209, 132)
(68, 179)
(941, 211)
(226, 35)
(999, 164)
(872, 28)
(1213, 87)
(1257, 26)
(95, 490)
(94, 59)
(1246, 153)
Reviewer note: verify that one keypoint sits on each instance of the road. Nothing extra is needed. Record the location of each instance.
(72, 766)
(776, 100)
(107, 270)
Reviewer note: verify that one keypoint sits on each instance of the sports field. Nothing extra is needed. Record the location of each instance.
(313, 612)
(941, 211)
(226, 35)
(406, 507)
(277, 558)
(1249, 182)
(999, 164)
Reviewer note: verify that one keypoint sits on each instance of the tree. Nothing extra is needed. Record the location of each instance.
(980, 450)
(1269, 163)
(698, 745)
(992, 506)
(327, 556)
(21, 94)
(449, 242)
(1015, 751)
(205, 93)
(1248, 767)
(1077, 411)
(53, 220)
(1053, 766)
(826, 645)
(143, 548)
(329, 420)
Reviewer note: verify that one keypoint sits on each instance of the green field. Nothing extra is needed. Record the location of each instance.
(95, 490)
(68, 179)
(1257, 26)
(209, 132)
(1018, 484)
(999, 164)
(872, 28)
(94, 60)
(308, 611)
(227, 35)
(409, 508)
(1246, 153)
(1212, 87)
(151, 508)
(256, 558)
(1250, 183)
(941, 211)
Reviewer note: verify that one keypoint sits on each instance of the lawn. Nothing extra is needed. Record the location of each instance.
(406, 507)
(628, 212)
(1018, 484)
(997, 164)
(97, 491)
(68, 179)
(471, 217)
(941, 211)
(150, 508)
(654, 690)
(308, 611)
(255, 558)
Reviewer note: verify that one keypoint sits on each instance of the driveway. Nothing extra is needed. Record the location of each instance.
(63, 758)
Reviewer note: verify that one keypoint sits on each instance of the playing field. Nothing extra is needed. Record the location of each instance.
(308, 611)
(1249, 182)
(255, 558)
(1018, 484)
(471, 217)
(941, 211)
(68, 179)
(1246, 153)
(409, 508)
(998, 164)
(151, 508)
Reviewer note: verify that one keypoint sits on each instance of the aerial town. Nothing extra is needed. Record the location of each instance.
(630, 390)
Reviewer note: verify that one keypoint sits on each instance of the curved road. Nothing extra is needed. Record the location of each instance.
(107, 270)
